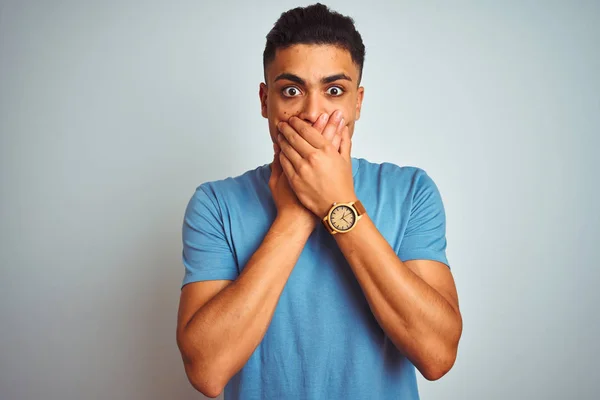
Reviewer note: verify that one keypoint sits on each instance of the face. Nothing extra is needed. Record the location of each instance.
(307, 81)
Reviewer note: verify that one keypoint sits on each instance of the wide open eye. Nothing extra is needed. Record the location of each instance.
(335, 91)
(291, 91)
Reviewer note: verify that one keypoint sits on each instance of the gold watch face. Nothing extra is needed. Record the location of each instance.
(342, 218)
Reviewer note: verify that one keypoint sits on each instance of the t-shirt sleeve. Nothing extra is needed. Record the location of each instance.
(207, 254)
(425, 235)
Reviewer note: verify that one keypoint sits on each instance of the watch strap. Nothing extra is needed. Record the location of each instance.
(360, 209)
(326, 225)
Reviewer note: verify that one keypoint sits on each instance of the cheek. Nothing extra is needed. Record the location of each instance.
(279, 113)
(283, 113)
(349, 114)
(276, 109)
(349, 108)
(351, 128)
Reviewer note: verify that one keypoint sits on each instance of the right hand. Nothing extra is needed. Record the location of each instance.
(284, 197)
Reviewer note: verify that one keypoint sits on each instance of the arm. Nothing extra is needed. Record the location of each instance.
(217, 335)
(221, 323)
(415, 302)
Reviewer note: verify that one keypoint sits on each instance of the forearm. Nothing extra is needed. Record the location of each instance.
(222, 334)
(420, 321)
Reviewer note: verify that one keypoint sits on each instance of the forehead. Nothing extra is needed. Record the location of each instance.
(312, 62)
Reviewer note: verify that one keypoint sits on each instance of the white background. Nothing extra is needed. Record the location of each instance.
(111, 113)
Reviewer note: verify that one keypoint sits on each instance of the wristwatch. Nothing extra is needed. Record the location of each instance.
(343, 217)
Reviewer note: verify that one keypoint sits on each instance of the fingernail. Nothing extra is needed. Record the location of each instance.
(342, 122)
(279, 137)
(324, 117)
(338, 113)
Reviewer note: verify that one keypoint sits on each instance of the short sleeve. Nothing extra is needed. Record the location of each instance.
(425, 234)
(207, 255)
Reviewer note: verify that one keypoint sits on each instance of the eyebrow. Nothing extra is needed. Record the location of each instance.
(324, 81)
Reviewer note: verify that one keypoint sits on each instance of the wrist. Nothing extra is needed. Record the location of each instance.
(302, 221)
(324, 209)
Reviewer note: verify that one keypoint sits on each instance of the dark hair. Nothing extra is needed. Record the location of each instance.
(315, 24)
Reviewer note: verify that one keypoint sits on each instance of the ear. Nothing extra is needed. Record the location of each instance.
(359, 100)
(262, 93)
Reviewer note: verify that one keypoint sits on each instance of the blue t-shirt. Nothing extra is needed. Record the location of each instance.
(323, 341)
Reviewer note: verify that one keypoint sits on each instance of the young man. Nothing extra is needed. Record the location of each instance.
(319, 276)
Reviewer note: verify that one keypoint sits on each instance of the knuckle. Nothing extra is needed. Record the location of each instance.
(290, 138)
(293, 180)
(313, 158)
(303, 168)
(304, 131)
(333, 123)
(330, 147)
(328, 133)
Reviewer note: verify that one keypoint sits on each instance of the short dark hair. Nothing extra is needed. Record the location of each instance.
(315, 24)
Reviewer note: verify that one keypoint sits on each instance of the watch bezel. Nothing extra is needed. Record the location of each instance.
(336, 205)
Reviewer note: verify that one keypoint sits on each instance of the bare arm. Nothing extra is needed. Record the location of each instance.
(217, 338)
(415, 302)
(221, 323)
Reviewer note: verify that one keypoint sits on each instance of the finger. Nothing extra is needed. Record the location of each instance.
(337, 139)
(307, 132)
(295, 139)
(288, 168)
(291, 153)
(321, 122)
(346, 144)
(334, 125)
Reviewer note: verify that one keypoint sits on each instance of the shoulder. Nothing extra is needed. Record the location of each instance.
(237, 187)
(406, 178)
(215, 196)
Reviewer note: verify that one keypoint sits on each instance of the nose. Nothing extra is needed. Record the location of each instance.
(314, 105)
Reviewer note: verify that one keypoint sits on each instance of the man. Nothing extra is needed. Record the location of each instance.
(319, 276)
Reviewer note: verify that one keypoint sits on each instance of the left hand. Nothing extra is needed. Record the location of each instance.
(316, 171)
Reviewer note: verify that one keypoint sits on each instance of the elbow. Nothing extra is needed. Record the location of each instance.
(200, 373)
(435, 369)
(203, 381)
(207, 389)
(445, 356)
(434, 373)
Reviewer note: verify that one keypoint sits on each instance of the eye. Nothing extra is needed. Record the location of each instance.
(335, 91)
(291, 91)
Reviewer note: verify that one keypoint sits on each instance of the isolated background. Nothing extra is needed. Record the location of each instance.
(111, 113)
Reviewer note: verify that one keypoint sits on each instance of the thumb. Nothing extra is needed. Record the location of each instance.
(346, 144)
